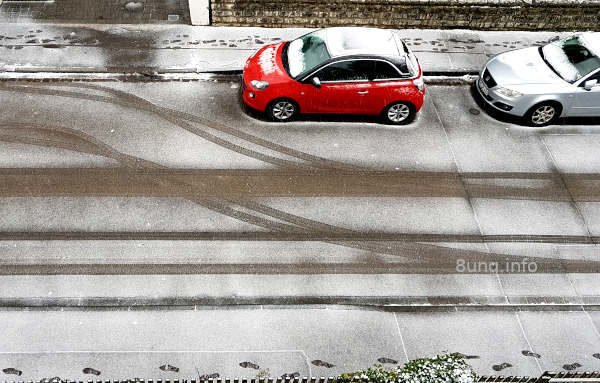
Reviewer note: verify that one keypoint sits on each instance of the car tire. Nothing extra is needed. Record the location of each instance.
(543, 114)
(398, 113)
(282, 110)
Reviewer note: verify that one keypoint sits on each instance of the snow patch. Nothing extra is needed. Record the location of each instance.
(134, 6)
(295, 61)
(344, 41)
(559, 60)
(591, 41)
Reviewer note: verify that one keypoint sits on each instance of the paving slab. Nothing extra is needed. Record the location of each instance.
(537, 284)
(12, 156)
(247, 286)
(492, 338)
(112, 214)
(483, 144)
(197, 252)
(574, 153)
(568, 252)
(572, 331)
(586, 284)
(527, 249)
(422, 214)
(528, 217)
(591, 214)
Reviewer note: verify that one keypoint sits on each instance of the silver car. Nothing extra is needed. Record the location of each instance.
(541, 84)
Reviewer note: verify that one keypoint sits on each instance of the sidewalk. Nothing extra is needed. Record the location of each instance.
(150, 48)
(315, 341)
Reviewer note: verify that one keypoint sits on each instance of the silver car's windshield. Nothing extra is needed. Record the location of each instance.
(572, 58)
(307, 52)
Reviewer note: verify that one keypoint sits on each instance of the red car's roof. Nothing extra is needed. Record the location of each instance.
(346, 41)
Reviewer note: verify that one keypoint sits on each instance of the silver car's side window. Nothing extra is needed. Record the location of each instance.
(595, 76)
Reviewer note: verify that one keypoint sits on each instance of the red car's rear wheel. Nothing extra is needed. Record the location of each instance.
(399, 113)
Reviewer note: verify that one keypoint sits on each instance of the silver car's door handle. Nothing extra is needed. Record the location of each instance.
(363, 92)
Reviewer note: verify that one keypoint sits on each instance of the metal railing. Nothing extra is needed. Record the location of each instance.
(547, 377)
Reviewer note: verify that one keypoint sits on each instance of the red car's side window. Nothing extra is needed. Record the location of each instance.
(385, 71)
(350, 70)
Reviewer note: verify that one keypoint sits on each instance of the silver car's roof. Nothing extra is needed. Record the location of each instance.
(346, 41)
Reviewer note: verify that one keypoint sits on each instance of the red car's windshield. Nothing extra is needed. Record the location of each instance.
(306, 53)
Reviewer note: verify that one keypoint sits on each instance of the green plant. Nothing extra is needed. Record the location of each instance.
(447, 368)
(263, 373)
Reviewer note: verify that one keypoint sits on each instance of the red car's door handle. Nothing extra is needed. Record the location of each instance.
(363, 92)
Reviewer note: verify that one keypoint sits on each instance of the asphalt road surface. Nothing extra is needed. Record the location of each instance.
(183, 161)
(128, 190)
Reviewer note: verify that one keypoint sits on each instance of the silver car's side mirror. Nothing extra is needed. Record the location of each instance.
(589, 84)
(555, 38)
(316, 82)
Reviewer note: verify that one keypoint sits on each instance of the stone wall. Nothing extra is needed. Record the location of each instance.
(472, 14)
(96, 11)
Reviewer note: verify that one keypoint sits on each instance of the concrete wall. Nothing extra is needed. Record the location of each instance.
(472, 14)
(96, 11)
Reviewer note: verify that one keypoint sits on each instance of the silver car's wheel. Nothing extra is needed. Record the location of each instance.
(282, 110)
(543, 114)
(399, 113)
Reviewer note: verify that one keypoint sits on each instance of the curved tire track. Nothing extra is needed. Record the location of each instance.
(409, 250)
(176, 121)
(306, 224)
(315, 161)
(65, 138)
(70, 139)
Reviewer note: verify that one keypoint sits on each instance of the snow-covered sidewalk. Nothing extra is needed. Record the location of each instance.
(152, 48)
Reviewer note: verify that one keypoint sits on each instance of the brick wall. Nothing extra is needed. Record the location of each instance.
(96, 11)
(473, 14)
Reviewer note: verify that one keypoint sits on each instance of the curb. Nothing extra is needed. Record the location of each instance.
(389, 303)
(431, 78)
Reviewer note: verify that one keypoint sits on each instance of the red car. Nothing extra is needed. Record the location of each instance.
(363, 71)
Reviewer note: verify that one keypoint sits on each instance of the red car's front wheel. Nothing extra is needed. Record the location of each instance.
(282, 110)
